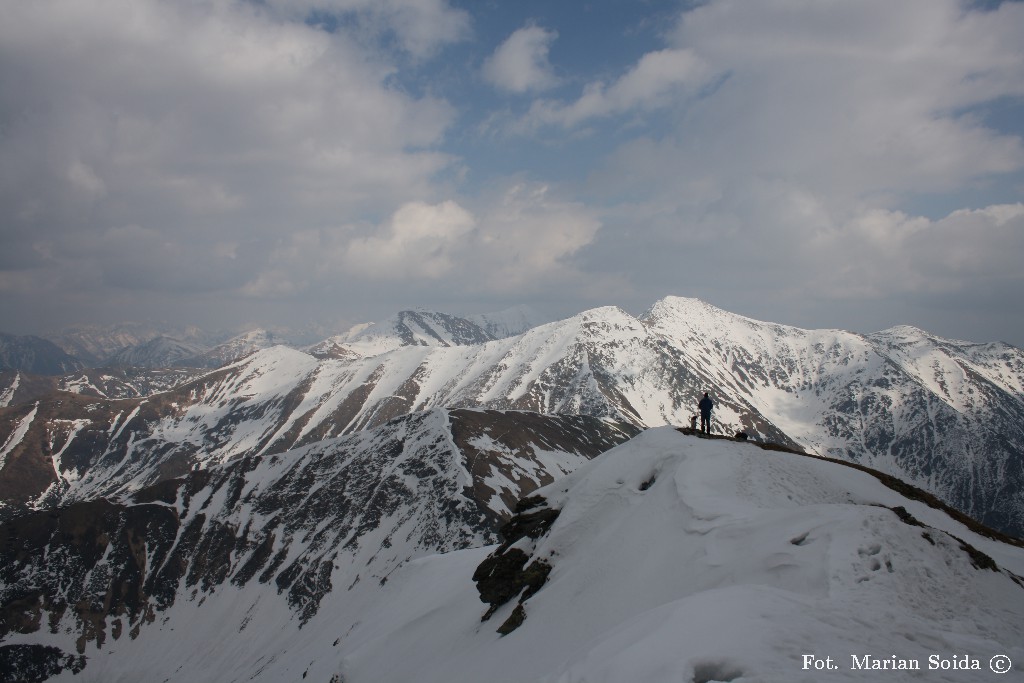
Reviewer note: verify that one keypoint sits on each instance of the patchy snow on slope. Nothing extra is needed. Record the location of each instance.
(519, 468)
(17, 435)
(69, 430)
(7, 395)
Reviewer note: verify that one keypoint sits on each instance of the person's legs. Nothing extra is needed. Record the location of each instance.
(705, 423)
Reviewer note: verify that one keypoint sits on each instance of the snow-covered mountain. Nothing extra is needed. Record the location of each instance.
(373, 558)
(947, 416)
(424, 328)
(675, 559)
(130, 382)
(287, 530)
(18, 387)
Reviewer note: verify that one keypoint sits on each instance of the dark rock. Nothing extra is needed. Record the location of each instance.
(532, 524)
(36, 663)
(499, 578)
(514, 621)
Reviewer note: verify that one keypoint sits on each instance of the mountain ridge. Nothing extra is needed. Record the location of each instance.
(945, 415)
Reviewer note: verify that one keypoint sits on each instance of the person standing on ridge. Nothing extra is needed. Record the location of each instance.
(705, 406)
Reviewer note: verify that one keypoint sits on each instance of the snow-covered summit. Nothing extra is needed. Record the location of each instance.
(684, 316)
(672, 558)
(411, 328)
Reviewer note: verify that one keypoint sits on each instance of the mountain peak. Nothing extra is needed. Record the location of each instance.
(903, 335)
(697, 311)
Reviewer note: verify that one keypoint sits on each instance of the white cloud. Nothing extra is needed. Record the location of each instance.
(784, 151)
(421, 241)
(880, 254)
(205, 123)
(797, 178)
(520, 240)
(653, 81)
(528, 236)
(520, 64)
(85, 179)
(421, 26)
(854, 98)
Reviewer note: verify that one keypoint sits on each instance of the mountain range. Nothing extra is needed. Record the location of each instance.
(160, 346)
(944, 415)
(513, 504)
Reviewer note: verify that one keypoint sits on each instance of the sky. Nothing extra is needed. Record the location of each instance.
(230, 163)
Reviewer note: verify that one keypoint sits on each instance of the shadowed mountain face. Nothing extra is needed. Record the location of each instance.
(946, 416)
(35, 355)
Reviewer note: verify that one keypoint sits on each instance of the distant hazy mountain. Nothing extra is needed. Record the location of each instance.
(507, 323)
(167, 352)
(95, 344)
(35, 355)
(416, 328)
(159, 352)
(233, 349)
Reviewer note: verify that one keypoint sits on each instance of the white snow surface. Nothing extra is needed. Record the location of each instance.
(732, 565)
(7, 394)
(17, 435)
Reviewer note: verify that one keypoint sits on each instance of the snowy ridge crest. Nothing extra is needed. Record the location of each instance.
(675, 558)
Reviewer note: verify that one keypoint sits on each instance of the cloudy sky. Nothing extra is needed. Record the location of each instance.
(821, 163)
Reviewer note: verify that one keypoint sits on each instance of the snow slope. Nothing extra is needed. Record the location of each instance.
(732, 564)
(673, 558)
